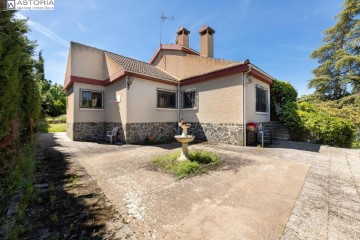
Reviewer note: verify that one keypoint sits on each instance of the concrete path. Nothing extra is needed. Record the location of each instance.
(328, 206)
(266, 198)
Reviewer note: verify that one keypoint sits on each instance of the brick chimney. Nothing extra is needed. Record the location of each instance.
(183, 37)
(206, 41)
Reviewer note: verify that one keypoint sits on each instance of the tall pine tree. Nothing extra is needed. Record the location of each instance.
(339, 58)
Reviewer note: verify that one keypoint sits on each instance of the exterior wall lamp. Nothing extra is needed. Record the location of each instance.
(249, 78)
(129, 81)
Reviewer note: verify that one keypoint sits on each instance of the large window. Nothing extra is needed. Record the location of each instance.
(166, 99)
(261, 99)
(188, 99)
(91, 99)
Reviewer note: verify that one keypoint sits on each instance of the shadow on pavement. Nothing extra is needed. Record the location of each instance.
(68, 204)
(311, 147)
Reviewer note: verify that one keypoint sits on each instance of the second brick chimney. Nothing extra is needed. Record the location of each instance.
(183, 37)
(206, 41)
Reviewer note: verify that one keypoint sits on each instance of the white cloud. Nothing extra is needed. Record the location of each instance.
(80, 26)
(44, 30)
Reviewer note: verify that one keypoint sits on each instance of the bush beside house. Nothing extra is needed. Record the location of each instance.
(307, 123)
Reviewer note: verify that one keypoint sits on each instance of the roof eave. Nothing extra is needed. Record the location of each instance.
(115, 77)
(257, 73)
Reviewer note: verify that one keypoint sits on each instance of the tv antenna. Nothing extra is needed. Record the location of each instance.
(162, 19)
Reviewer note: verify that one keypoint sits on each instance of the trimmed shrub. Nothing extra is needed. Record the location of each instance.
(307, 123)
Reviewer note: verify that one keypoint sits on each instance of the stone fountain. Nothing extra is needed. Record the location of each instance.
(184, 138)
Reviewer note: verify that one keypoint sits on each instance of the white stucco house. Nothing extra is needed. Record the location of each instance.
(218, 97)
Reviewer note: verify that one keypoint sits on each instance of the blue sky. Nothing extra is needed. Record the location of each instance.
(278, 36)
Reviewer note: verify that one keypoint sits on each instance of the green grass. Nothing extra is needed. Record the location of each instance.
(200, 161)
(59, 119)
(52, 127)
(57, 127)
(18, 177)
(52, 124)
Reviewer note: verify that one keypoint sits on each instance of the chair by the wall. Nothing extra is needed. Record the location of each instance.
(112, 135)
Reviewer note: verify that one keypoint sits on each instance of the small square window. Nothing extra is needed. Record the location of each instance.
(166, 99)
(189, 99)
(261, 99)
(91, 99)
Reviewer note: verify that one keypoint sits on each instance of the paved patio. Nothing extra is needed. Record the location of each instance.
(272, 194)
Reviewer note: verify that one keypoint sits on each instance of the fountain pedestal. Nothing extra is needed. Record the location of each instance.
(184, 138)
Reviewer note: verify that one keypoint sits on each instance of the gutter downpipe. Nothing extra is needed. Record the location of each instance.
(178, 105)
(244, 105)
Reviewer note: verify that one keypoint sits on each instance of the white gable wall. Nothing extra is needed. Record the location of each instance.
(88, 62)
(116, 112)
(251, 114)
(142, 102)
(219, 101)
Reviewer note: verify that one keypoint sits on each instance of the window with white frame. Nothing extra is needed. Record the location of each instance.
(91, 99)
(189, 99)
(166, 99)
(261, 99)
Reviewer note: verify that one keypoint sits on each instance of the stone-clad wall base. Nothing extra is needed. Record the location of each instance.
(160, 131)
(92, 131)
(229, 133)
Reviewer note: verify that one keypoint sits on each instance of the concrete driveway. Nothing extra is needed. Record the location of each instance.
(290, 191)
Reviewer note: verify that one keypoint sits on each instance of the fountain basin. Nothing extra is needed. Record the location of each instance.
(184, 139)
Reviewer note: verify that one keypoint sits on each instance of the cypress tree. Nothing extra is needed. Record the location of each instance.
(19, 95)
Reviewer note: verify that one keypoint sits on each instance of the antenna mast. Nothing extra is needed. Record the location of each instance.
(162, 19)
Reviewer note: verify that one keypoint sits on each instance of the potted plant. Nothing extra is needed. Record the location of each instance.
(150, 138)
(251, 126)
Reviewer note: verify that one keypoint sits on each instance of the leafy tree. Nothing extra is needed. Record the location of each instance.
(53, 97)
(55, 100)
(339, 58)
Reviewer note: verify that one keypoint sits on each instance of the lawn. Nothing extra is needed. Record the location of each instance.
(200, 161)
(49, 124)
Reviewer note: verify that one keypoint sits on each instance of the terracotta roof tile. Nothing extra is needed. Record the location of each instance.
(136, 66)
(214, 70)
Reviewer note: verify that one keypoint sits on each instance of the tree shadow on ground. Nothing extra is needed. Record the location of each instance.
(67, 203)
(302, 146)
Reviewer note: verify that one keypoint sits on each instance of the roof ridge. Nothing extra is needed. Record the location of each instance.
(189, 48)
(106, 51)
(140, 67)
(126, 57)
(218, 59)
(88, 46)
(262, 71)
(165, 72)
(214, 70)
